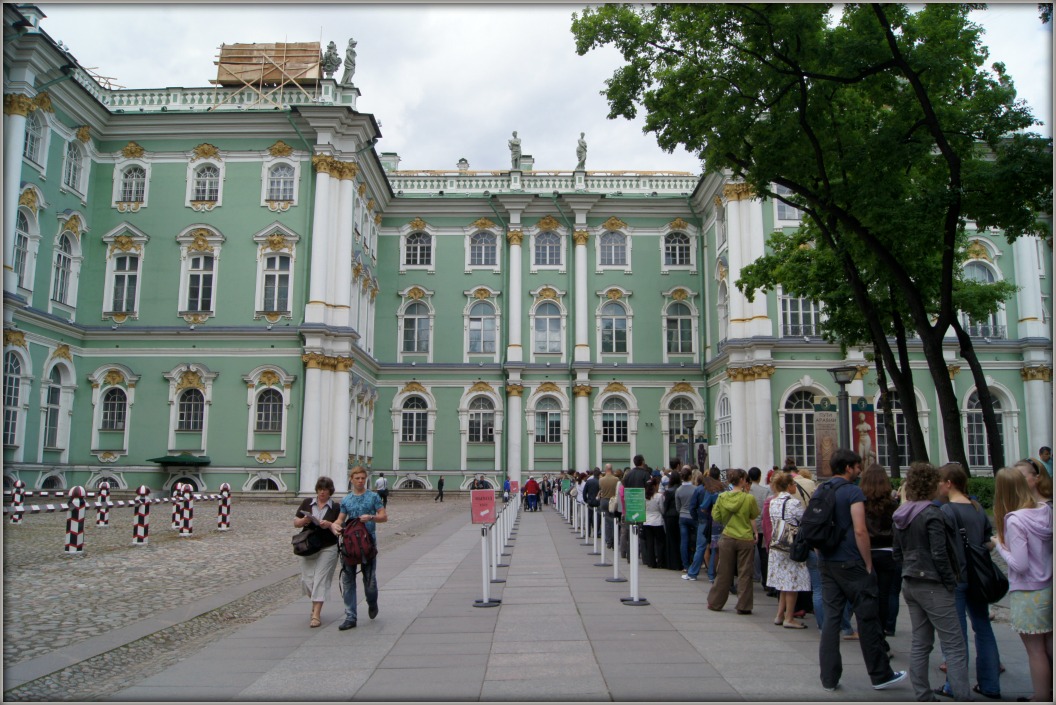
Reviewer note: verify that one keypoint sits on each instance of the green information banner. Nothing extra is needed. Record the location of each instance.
(634, 499)
(565, 485)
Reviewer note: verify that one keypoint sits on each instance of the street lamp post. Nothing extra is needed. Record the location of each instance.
(691, 424)
(844, 376)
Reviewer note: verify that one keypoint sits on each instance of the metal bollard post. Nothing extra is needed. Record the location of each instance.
(601, 547)
(597, 529)
(141, 528)
(486, 601)
(615, 553)
(223, 517)
(177, 494)
(18, 502)
(102, 517)
(78, 508)
(635, 600)
(187, 512)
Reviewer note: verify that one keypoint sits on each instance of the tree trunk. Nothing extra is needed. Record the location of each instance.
(890, 431)
(931, 339)
(907, 396)
(994, 443)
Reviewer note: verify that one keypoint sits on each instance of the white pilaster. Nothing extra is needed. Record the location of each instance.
(340, 417)
(312, 419)
(343, 263)
(515, 349)
(762, 441)
(739, 424)
(740, 310)
(582, 425)
(581, 296)
(1037, 393)
(1028, 271)
(315, 310)
(16, 107)
(514, 403)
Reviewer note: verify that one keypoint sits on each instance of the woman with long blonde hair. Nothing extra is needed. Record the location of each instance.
(1024, 540)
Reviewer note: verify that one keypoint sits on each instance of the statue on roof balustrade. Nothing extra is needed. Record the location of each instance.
(515, 151)
(350, 63)
(581, 152)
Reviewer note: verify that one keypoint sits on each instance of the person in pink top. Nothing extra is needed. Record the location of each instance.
(1024, 540)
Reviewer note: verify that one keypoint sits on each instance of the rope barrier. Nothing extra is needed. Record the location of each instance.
(39, 493)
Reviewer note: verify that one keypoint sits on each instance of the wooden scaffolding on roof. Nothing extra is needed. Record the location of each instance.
(267, 70)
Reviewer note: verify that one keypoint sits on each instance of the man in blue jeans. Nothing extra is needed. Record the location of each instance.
(367, 507)
(701, 504)
(847, 577)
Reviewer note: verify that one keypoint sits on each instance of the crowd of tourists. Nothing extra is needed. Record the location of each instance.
(924, 541)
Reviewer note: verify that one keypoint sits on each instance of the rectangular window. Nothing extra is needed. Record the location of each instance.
(126, 278)
(416, 335)
(799, 317)
(413, 427)
(679, 336)
(547, 427)
(21, 257)
(614, 335)
(200, 284)
(51, 418)
(481, 335)
(785, 211)
(614, 427)
(277, 284)
(481, 428)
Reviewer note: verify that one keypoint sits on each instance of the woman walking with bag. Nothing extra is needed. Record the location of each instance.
(317, 570)
(880, 505)
(1024, 540)
(784, 574)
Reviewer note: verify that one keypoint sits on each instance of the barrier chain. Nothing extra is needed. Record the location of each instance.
(141, 528)
(103, 505)
(19, 499)
(75, 522)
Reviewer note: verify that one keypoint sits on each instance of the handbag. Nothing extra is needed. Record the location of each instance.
(614, 505)
(308, 542)
(784, 534)
(986, 582)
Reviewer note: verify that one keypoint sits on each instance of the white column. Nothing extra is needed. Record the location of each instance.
(16, 107)
(739, 312)
(340, 416)
(762, 441)
(343, 264)
(315, 310)
(515, 351)
(312, 419)
(581, 295)
(582, 392)
(1027, 276)
(1037, 393)
(739, 427)
(752, 227)
(515, 429)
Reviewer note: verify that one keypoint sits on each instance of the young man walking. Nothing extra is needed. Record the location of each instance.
(366, 506)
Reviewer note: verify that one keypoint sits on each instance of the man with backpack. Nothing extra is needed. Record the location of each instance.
(364, 506)
(834, 525)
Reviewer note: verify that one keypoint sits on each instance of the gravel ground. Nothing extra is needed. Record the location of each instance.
(52, 600)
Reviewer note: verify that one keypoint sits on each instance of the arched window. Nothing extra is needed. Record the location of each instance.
(724, 314)
(21, 247)
(419, 249)
(799, 429)
(276, 284)
(547, 334)
(482, 328)
(481, 421)
(34, 138)
(416, 328)
(200, 283)
(264, 484)
(613, 328)
(206, 184)
(52, 407)
(269, 411)
(482, 250)
(415, 418)
(112, 481)
(191, 411)
(133, 184)
(679, 324)
(613, 249)
(547, 421)
(280, 183)
(724, 421)
(785, 211)
(884, 452)
(115, 409)
(12, 397)
(63, 270)
(52, 482)
(679, 412)
(676, 249)
(978, 451)
(614, 421)
(988, 326)
(126, 280)
(71, 172)
(547, 249)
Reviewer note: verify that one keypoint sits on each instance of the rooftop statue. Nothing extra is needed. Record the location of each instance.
(515, 152)
(581, 152)
(331, 60)
(350, 63)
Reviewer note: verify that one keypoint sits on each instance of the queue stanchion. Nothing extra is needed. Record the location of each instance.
(616, 554)
(601, 547)
(482, 511)
(597, 529)
(18, 501)
(496, 538)
(634, 512)
(141, 528)
(78, 508)
(584, 528)
(486, 600)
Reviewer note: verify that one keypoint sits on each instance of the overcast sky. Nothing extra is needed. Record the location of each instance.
(451, 81)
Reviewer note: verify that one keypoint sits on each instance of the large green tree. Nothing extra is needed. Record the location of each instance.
(889, 132)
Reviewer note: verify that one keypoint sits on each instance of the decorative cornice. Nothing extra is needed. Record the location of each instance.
(763, 371)
(107, 456)
(614, 223)
(196, 318)
(276, 242)
(616, 387)
(1039, 373)
(280, 149)
(357, 269)
(863, 370)
(132, 150)
(740, 374)
(200, 243)
(134, 206)
(483, 224)
(678, 224)
(324, 164)
(371, 204)
(63, 351)
(189, 380)
(547, 387)
(737, 192)
(83, 134)
(377, 219)
(18, 104)
(43, 102)
(205, 151)
(514, 390)
(548, 222)
(14, 338)
(582, 390)
(265, 458)
(418, 224)
(482, 386)
(515, 237)
(683, 388)
(28, 198)
(413, 387)
(362, 189)
(318, 361)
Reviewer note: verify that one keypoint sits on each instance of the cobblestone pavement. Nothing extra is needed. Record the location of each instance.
(52, 600)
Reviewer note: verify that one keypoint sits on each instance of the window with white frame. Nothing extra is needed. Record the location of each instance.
(482, 328)
(800, 317)
(419, 250)
(276, 284)
(33, 149)
(724, 422)
(282, 180)
(548, 250)
(481, 421)
(62, 270)
(125, 284)
(21, 248)
(414, 419)
(483, 250)
(12, 397)
(115, 410)
(783, 210)
(679, 327)
(73, 166)
(269, 411)
(547, 421)
(978, 450)
(200, 283)
(613, 328)
(416, 328)
(679, 412)
(133, 185)
(799, 429)
(52, 409)
(884, 451)
(206, 185)
(723, 308)
(614, 421)
(546, 333)
(613, 249)
(676, 250)
(989, 326)
(191, 411)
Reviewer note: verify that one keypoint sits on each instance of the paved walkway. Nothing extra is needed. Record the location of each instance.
(560, 633)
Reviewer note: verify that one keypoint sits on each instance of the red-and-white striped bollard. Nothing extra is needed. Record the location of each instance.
(102, 517)
(177, 501)
(18, 500)
(223, 517)
(187, 511)
(141, 528)
(75, 522)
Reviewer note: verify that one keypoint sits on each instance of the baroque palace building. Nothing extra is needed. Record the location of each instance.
(230, 284)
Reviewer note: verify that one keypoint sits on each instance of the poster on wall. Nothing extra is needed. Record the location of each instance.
(863, 430)
(826, 433)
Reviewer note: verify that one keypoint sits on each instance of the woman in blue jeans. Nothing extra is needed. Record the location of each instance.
(966, 514)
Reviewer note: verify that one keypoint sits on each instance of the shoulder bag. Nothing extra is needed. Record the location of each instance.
(986, 582)
(784, 533)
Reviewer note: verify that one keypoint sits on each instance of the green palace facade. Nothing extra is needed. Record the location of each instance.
(231, 284)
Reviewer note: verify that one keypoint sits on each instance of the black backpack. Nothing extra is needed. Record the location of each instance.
(356, 545)
(818, 528)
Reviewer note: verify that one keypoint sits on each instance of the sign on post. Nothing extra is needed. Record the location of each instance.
(566, 484)
(634, 500)
(482, 506)
(514, 486)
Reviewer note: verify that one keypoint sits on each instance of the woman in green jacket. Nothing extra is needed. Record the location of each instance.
(737, 509)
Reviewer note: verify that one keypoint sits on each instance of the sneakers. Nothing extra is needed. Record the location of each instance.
(347, 624)
(897, 677)
(833, 688)
(687, 576)
(372, 611)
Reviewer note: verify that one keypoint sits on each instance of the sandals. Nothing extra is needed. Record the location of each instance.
(993, 696)
(794, 625)
(316, 622)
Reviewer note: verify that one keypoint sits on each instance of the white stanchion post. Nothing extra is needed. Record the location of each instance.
(597, 530)
(635, 599)
(615, 554)
(486, 601)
